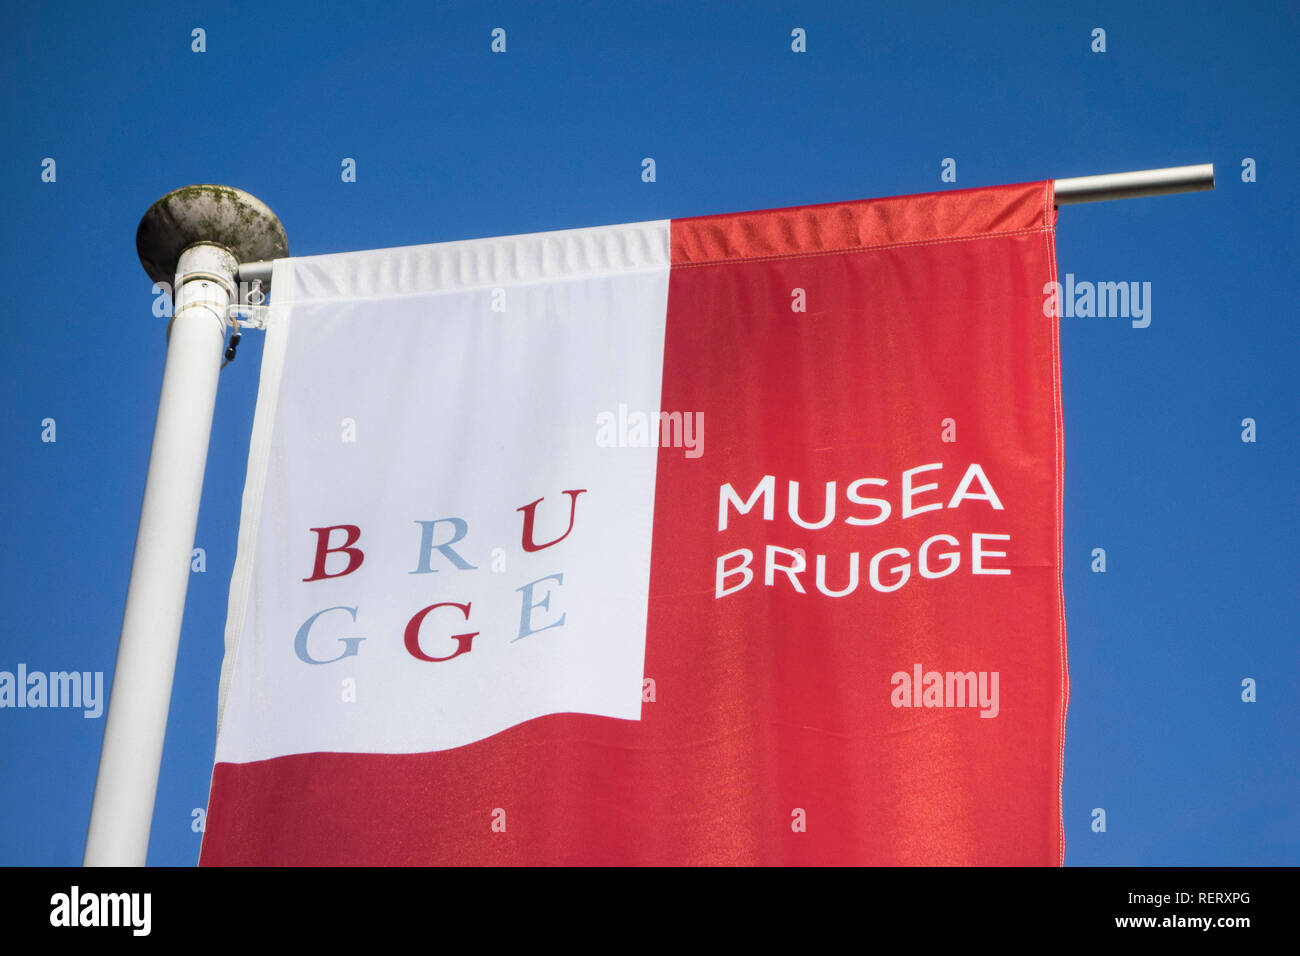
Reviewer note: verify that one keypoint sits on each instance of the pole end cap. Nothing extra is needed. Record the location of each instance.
(207, 213)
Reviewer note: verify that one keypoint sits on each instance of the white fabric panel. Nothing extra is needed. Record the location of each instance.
(459, 411)
(452, 266)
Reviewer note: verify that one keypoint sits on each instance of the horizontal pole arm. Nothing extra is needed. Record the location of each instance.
(1142, 182)
(248, 271)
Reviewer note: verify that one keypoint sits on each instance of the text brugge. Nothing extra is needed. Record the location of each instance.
(535, 596)
(887, 570)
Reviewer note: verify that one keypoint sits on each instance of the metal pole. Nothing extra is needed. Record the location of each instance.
(155, 599)
(198, 235)
(248, 271)
(1143, 182)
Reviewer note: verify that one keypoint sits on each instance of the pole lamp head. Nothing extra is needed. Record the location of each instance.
(222, 215)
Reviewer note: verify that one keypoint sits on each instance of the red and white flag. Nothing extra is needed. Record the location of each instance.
(727, 540)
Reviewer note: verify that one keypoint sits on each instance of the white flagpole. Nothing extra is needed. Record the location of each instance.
(198, 235)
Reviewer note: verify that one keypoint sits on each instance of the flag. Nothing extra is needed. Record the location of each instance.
(724, 540)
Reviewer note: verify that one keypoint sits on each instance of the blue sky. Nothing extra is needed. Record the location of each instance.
(453, 142)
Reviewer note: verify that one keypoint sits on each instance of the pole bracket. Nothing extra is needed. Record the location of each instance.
(251, 313)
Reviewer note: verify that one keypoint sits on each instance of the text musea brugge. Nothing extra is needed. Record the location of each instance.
(889, 569)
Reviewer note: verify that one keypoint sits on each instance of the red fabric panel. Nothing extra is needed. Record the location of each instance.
(862, 224)
(770, 702)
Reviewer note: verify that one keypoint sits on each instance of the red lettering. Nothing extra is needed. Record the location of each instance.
(463, 641)
(355, 555)
(530, 511)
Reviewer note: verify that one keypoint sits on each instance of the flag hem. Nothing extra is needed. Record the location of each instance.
(1049, 221)
(268, 394)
